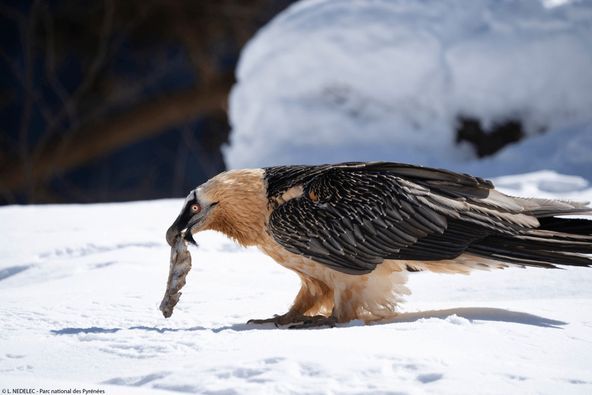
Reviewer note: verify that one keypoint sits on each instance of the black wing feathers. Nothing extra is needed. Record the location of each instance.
(356, 220)
(352, 216)
(281, 178)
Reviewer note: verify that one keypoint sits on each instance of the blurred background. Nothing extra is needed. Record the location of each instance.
(117, 100)
(109, 100)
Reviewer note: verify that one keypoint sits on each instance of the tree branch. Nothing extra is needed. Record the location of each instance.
(88, 143)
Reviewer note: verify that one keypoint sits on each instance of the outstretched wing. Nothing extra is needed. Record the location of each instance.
(353, 216)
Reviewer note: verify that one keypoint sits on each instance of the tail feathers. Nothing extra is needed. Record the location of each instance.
(572, 226)
(558, 241)
(544, 208)
(518, 255)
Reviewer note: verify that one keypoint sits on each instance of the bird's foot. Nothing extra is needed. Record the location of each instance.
(298, 321)
(316, 321)
(280, 320)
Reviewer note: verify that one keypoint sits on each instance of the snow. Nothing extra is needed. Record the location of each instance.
(80, 288)
(329, 81)
(326, 81)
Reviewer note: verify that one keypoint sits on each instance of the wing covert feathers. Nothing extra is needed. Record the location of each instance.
(353, 216)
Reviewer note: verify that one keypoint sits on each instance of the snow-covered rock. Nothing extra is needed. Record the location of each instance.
(330, 81)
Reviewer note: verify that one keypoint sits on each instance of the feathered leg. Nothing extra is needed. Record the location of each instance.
(313, 299)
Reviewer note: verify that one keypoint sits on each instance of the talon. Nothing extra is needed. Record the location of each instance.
(280, 320)
(263, 321)
(317, 321)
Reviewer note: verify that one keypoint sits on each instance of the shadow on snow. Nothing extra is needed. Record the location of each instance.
(478, 314)
(469, 313)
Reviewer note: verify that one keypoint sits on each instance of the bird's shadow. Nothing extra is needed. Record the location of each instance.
(478, 314)
(469, 313)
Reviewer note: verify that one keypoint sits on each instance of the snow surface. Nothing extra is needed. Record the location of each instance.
(80, 288)
(329, 81)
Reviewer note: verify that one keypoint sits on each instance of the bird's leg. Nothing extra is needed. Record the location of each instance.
(311, 297)
(343, 311)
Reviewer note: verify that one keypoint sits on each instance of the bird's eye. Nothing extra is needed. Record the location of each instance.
(195, 208)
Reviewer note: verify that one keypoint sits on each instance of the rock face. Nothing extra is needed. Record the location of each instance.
(179, 267)
(487, 142)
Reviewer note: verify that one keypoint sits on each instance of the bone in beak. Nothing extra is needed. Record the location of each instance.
(180, 265)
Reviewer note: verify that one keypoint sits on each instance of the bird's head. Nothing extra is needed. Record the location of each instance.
(196, 210)
(233, 202)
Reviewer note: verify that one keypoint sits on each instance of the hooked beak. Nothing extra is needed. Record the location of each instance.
(174, 231)
(184, 224)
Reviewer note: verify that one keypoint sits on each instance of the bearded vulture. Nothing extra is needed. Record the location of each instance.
(352, 231)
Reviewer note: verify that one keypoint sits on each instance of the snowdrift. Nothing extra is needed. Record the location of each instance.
(330, 81)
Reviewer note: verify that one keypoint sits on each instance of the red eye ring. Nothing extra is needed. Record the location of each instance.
(195, 208)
